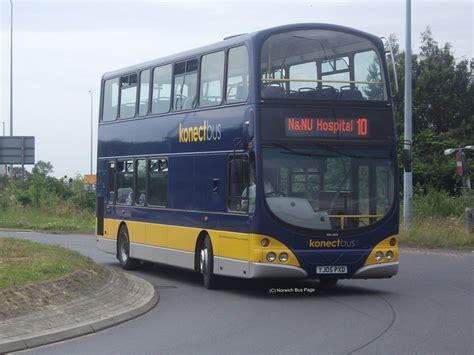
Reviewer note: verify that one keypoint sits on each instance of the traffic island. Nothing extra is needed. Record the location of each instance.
(83, 301)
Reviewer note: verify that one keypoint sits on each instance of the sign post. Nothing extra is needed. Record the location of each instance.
(462, 171)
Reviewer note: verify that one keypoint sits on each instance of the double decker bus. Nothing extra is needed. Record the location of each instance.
(266, 155)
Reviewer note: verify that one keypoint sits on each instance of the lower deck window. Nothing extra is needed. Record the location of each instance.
(125, 182)
(158, 182)
(242, 190)
(140, 182)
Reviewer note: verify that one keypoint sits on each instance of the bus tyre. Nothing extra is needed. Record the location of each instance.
(206, 263)
(123, 250)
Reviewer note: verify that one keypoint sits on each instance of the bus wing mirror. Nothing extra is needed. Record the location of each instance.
(392, 57)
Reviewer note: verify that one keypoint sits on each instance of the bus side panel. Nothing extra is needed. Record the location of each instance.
(111, 227)
(231, 252)
(155, 243)
(157, 235)
(136, 232)
(231, 245)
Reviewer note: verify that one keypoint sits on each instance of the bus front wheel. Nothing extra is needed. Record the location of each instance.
(206, 264)
(123, 249)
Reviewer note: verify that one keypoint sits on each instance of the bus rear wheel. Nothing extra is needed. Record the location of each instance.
(206, 265)
(123, 249)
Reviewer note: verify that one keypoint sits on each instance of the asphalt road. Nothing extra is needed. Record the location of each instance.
(427, 308)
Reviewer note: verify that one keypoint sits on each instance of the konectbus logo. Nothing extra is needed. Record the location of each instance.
(205, 132)
(336, 243)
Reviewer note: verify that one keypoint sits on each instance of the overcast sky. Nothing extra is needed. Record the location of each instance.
(62, 48)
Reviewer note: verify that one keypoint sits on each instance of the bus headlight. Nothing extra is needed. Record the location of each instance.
(271, 257)
(378, 256)
(389, 255)
(265, 242)
(283, 257)
(393, 242)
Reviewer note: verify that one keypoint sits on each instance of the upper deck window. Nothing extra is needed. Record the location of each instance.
(237, 75)
(212, 78)
(144, 92)
(128, 95)
(185, 85)
(110, 97)
(321, 65)
(161, 89)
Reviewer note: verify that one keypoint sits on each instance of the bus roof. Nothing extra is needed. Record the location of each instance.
(234, 40)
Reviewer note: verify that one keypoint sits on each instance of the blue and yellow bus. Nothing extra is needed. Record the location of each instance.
(266, 155)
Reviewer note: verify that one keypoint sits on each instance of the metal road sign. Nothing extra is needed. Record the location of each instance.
(17, 150)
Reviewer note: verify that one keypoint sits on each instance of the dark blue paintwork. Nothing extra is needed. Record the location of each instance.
(194, 166)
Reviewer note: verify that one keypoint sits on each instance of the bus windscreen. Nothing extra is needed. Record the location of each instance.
(327, 187)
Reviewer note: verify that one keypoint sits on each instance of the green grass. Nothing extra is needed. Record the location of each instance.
(438, 232)
(439, 222)
(54, 218)
(438, 204)
(23, 261)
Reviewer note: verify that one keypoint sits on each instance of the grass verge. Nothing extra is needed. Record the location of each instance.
(23, 261)
(47, 219)
(438, 232)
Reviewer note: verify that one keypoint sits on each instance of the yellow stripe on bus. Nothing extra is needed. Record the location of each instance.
(234, 245)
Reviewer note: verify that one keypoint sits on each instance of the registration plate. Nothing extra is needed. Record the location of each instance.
(341, 269)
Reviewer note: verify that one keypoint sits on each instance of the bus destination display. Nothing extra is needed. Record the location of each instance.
(326, 127)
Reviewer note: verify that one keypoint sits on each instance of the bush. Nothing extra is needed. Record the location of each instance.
(45, 192)
(437, 204)
(84, 199)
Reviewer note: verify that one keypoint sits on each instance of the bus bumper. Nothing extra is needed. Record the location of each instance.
(378, 271)
(261, 270)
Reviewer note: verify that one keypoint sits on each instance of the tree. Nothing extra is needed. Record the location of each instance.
(442, 114)
(441, 92)
(374, 91)
(43, 168)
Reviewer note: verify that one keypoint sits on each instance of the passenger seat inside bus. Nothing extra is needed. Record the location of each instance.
(350, 93)
(327, 92)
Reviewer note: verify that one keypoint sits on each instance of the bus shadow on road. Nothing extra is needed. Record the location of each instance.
(163, 276)
(279, 289)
